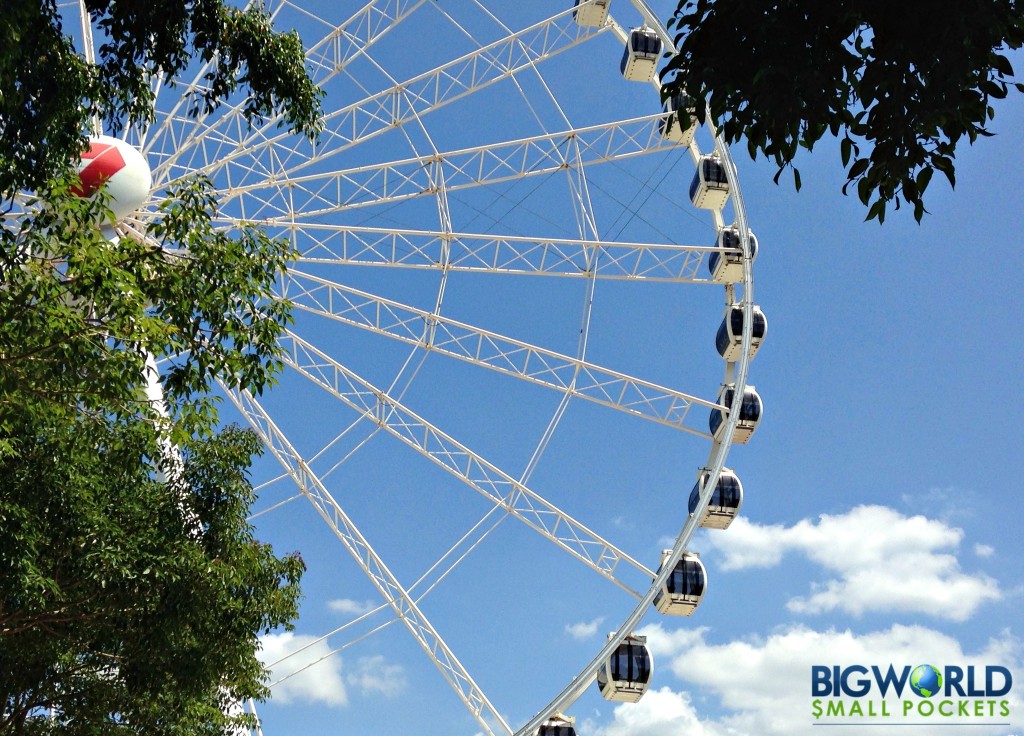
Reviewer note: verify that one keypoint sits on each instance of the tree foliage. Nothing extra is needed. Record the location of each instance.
(116, 618)
(900, 84)
(131, 598)
(129, 604)
(81, 312)
(78, 318)
(50, 91)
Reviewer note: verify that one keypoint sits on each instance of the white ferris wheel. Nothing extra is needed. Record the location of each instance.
(523, 320)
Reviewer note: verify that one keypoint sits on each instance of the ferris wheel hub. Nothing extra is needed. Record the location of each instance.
(120, 168)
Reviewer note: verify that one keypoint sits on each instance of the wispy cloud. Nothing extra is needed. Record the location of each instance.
(584, 629)
(354, 608)
(375, 675)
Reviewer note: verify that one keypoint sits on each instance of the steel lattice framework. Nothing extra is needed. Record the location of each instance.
(396, 185)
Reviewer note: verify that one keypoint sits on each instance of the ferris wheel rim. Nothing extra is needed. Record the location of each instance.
(736, 374)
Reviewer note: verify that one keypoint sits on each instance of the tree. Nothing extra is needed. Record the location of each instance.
(129, 604)
(116, 617)
(51, 93)
(900, 84)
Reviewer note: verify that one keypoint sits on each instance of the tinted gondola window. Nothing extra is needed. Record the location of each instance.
(695, 579)
(736, 323)
(645, 42)
(736, 318)
(727, 492)
(687, 578)
(631, 663)
(714, 172)
(751, 410)
(723, 339)
(715, 420)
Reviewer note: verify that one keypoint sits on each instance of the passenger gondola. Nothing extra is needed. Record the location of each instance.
(726, 266)
(558, 725)
(725, 501)
(640, 57)
(710, 186)
(730, 333)
(626, 675)
(683, 589)
(593, 14)
(680, 122)
(751, 409)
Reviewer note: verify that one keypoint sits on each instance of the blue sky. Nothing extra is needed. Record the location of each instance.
(880, 521)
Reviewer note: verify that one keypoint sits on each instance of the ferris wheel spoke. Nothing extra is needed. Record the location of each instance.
(214, 139)
(489, 253)
(496, 352)
(398, 598)
(498, 487)
(317, 195)
(402, 102)
(344, 43)
(407, 100)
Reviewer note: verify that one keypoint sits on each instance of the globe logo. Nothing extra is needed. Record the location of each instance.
(925, 680)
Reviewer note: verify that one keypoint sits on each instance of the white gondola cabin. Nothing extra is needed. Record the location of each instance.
(626, 675)
(680, 122)
(725, 501)
(684, 587)
(751, 410)
(710, 187)
(726, 266)
(729, 339)
(640, 57)
(558, 725)
(592, 14)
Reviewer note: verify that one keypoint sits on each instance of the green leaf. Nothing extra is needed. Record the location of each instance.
(923, 178)
(1002, 65)
(858, 168)
(877, 210)
(945, 165)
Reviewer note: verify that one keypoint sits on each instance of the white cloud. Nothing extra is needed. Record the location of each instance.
(355, 608)
(660, 713)
(317, 677)
(763, 685)
(885, 561)
(984, 550)
(584, 629)
(375, 675)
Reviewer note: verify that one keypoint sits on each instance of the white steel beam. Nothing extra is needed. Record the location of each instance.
(393, 107)
(215, 140)
(397, 597)
(496, 352)
(278, 199)
(488, 253)
(495, 485)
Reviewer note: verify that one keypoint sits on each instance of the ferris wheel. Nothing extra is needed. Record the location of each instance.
(523, 322)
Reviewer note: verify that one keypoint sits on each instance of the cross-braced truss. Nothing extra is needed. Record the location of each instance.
(397, 597)
(340, 245)
(383, 154)
(493, 351)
